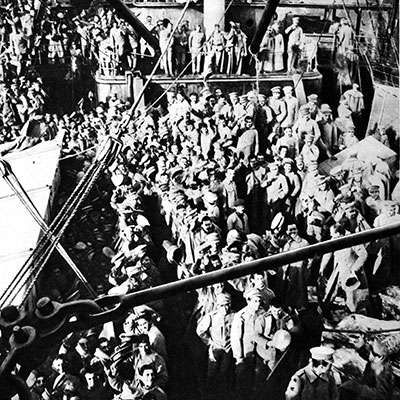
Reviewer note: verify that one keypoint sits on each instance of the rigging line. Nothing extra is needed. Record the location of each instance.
(42, 243)
(124, 123)
(30, 206)
(41, 262)
(102, 164)
(77, 154)
(74, 208)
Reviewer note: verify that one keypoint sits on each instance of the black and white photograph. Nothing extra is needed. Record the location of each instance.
(199, 200)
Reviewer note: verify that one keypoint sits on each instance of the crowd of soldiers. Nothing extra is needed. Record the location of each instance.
(233, 178)
(36, 34)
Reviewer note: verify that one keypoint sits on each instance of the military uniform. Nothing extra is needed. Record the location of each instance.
(306, 385)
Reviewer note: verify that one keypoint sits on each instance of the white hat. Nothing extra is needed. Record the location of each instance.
(321, 353)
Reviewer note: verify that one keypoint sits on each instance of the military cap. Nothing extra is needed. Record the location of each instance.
(312, 97)
(287, 89)
(336, 170)
(372, 187)
(305, 109)
(288, 160)
(262, 97)
(326, 109)
(233, 236)
(233, 94)
(243, 97)
(238, 203)
(251, 95)
(210, 197)
(276, 89)
(205, 93)
(250, 293)
(321, 353)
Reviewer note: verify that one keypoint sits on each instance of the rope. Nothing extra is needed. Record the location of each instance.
(46, 257)
(77, 154)
(28, 204)
(36, 255)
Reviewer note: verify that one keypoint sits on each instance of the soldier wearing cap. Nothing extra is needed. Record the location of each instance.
(329, 132)
(238, 219)
(264, 118)
(315, 381)
(373, 203)
(348, 139)
(310, 151)
(292, 105)
(217, 44)
(248, 142)
(279, 110)
(345, 41)
(277, 189)
(313, 105)
(295, 42)
(290, 141)
(266, 53)
(230, 191)
(323, 195)
(215, 331)
(243, 345)
(305, 125)
(238, 110)
(352, 220)
(292, 278)
(267, 325)
(196, 41)
(294, 182)
(337, 179)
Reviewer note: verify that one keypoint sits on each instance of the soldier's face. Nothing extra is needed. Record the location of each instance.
(258, 281)
(143, 325)
(148, 378)
(392, 210)
(321, 367)
(224, 308)
(276, 311)
(254, 303)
